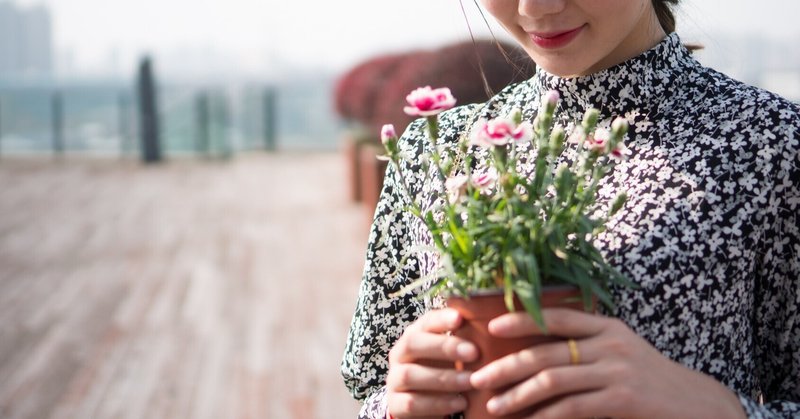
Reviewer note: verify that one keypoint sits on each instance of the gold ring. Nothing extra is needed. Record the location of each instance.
(574, 355)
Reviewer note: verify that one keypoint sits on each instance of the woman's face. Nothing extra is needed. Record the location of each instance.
(579, 37)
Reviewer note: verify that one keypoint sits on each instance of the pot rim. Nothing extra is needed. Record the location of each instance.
(488, 292)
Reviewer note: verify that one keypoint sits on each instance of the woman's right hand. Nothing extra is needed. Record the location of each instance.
(422, 381)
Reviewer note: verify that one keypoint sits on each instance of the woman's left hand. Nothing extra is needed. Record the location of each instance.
(613, 373)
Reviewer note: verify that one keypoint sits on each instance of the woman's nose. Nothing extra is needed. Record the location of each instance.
(539, 8)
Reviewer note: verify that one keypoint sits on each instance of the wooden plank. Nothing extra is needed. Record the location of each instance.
(188, 290)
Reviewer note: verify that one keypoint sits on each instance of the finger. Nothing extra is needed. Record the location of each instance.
(558, 321)
(605, 403)
(518, 366)
(440, 321)
(428, 346)
(401, 405)
(547, 384)
(414, 377)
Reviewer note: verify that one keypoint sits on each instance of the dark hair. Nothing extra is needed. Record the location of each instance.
(663, 10)
(514, 57)
(666, 17)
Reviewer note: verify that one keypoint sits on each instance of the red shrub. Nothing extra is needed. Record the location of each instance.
(356, 90)
(374, 92)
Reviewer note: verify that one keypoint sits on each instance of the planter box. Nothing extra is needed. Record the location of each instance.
(351, 149)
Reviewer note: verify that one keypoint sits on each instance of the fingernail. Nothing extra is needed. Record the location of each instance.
(495, 406)
(498, 323)
(454, 316)
(462, 379)
(465, 351)
(458, 404)
(478, 379)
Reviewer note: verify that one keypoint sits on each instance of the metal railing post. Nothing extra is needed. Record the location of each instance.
(224, 119)
(1, 126)
(270, 121)
(57, 106)
(202, 125)
(148, 113)
(124, 123)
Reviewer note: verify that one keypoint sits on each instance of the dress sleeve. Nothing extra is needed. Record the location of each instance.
(777, 300)
(380, 318)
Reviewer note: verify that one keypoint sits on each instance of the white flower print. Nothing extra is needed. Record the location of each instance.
(711, 231)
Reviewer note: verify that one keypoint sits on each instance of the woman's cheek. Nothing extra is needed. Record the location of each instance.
(497, 7)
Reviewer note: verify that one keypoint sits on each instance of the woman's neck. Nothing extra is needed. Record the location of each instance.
(647, 34)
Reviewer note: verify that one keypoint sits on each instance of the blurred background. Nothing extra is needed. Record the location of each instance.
(219, 281)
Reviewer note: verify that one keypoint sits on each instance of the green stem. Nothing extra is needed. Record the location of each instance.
(589, 193)
(433, 136)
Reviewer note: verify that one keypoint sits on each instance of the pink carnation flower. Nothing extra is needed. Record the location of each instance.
(500, 131)
(456, 186)
(599, 144)
(425, 101)
(620, 152)
(598, 141)
(485, 181)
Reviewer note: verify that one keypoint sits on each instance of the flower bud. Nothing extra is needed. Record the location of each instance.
(619, 127)
(563, 181)
(537, 125)
(590, 119)
(557, 140)
(388, 134)
(516, 116)
(505, 182)
(550, 100)
(561, 170)
(618, 203)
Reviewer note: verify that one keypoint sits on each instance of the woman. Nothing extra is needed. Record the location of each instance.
(710, 233)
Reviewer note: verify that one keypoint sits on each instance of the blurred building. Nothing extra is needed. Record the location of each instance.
(773, 64)
(26, 42)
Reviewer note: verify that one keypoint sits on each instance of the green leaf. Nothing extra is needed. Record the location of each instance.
(531, 301)
(416, 284)
(602, 294)
(460, 237)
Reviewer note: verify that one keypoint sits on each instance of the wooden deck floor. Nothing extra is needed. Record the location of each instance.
(189, 290)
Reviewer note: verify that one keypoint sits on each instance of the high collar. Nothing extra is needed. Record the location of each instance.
(636, 85)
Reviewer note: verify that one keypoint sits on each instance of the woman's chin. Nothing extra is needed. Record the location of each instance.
(561, 68)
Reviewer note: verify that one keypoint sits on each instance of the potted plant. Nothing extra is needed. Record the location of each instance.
(517, 225)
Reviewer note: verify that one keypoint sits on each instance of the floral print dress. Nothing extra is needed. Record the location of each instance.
(710, 232)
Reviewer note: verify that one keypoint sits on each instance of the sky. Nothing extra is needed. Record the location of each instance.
(270, 37)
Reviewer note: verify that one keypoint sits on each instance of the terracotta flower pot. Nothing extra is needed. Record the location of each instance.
(477, 311)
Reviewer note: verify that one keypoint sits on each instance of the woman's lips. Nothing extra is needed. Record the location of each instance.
(552, 40)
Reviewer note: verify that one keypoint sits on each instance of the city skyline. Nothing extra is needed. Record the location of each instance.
(26, 42)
